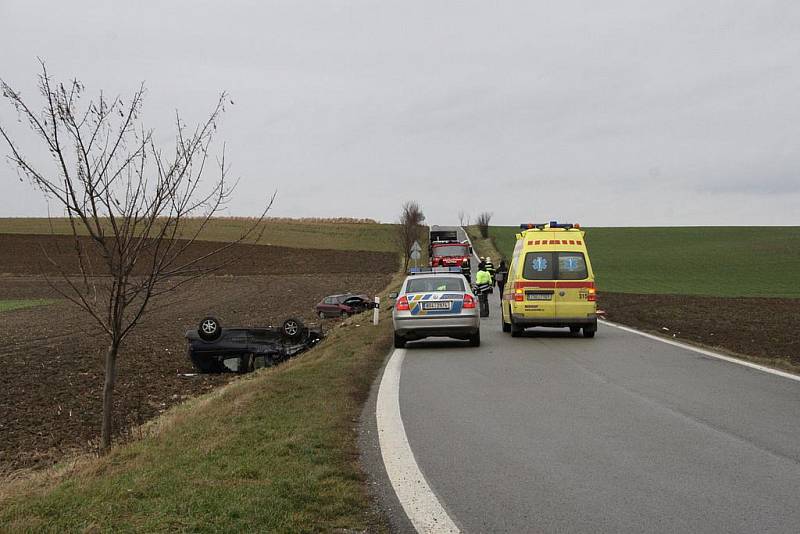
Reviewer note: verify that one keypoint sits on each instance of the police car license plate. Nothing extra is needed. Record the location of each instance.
(539, 296)
(436, 305)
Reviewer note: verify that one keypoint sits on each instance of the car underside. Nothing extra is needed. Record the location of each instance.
(214, 349)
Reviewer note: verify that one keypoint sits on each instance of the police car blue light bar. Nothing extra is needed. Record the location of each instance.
(431, 270)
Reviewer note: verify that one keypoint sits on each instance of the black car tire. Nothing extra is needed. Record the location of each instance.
(506, 326)
(574, 329)
(516, 331)
(292, 329)
(589, 332)
(399, 342)
(209, 328)
(475, 339)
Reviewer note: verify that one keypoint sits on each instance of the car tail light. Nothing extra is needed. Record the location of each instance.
(592, 295)
(519, 295)
(402, 304)
(469, 302)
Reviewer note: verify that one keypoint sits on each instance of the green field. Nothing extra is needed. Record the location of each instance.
(9, 305)
(718, 261)
(298, 234)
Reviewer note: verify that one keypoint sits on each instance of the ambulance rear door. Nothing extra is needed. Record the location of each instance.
(572, 295)
(538, 285)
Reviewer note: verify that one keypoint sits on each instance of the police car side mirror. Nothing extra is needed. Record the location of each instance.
(393, 295)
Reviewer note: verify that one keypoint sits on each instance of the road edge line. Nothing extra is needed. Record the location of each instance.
(706, 352)
(419, 503)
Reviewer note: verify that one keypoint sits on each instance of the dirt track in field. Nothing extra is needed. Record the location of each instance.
(51, 356)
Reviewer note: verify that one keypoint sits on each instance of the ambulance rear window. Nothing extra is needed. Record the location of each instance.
(539, 266)
(571, 266)
(555, 266)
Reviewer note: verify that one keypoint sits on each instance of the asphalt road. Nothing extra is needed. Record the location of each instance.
(620, 433)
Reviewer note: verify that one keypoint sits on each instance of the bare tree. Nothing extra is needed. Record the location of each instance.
(134, 210)
(482, 222)
(410, 228)
(463, 219)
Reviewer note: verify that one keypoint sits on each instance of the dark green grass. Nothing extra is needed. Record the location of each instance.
(716, 261)
(10, 305)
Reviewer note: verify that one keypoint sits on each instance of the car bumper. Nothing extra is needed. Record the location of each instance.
(418, 328)
(527, 322)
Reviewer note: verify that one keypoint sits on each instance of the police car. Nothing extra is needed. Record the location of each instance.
(436, 301)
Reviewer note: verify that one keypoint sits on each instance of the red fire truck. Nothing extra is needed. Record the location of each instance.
(449, 246)
(449, 253)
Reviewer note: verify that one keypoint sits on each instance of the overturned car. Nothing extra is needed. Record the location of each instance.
(214, 349)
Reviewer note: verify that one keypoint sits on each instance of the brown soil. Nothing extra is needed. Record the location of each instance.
(51, 356)
(763, 328)
(21, 253)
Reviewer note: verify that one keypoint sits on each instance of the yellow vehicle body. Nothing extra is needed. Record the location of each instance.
(550, 281)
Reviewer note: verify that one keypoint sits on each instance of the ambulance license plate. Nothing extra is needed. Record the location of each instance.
(539, 296)
(436, 305)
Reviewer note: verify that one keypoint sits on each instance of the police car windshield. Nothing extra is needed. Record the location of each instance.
(450, 250)
(435, 283)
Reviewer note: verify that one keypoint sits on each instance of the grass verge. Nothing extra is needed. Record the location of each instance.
(19, 304)
(273, 452)
(486, 246)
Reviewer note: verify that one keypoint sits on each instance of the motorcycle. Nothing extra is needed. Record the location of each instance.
(483, 291)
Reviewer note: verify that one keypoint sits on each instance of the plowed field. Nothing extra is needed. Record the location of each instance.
(762, 328)
(51, 356)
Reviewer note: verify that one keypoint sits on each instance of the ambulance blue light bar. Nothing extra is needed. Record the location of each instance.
(551, 224)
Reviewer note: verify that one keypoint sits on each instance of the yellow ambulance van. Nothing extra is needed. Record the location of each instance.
(550, 281)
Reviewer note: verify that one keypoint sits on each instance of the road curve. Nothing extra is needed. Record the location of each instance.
(621, 433)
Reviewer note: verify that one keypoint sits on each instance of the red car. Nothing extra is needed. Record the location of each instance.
(343, 305)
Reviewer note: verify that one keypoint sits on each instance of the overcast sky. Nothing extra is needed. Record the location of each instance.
(605, 113)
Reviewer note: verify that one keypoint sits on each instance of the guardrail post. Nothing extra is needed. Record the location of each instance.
(376, 311)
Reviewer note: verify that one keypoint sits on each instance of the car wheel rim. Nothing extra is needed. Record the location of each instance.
(209, 327)
(290, 328)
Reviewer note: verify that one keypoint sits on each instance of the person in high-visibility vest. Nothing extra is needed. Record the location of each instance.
(482, 277)
(490, 268)
(483, 283)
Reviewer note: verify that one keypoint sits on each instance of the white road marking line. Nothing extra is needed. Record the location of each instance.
(420, 504)
(705, 352)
